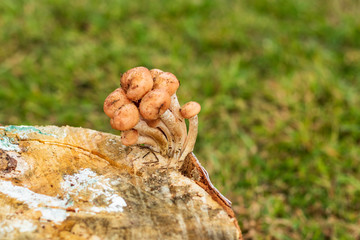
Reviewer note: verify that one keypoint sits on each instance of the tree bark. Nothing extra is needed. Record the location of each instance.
(75, 183)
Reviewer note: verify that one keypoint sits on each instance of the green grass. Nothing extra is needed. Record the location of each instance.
(279, 83)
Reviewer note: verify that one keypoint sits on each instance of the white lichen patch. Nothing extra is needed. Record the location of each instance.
(7, 144)
(52, 208)
(85, 191)
(9, 226)
(86, 185)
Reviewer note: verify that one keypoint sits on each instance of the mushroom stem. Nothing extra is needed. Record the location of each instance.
(150, 142)
(190, 139)
(177, 127)
(168, 135)
(175, 109)
(154, 133)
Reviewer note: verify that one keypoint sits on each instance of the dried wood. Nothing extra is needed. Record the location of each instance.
(76, 183)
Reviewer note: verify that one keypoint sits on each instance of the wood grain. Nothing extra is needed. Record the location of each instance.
(75, 183)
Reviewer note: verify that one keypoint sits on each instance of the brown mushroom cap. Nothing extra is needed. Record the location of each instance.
(126, 117)
(155, 72)
(166, 81)
(154, 104)
(136, 82)
(112, 123)
(129, 137)
(190, 109)
(153, 123)
(115, 100)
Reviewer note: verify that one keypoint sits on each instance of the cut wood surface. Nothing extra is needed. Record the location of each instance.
(76, 183)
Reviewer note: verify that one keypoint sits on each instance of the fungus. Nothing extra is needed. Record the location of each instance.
(154, 134)
(136, 82)
(167, 81)
(154, 118)
(114, 101)
(155, 72)
(132, 136)
(177, 130)
(154, 104)
(153, 123)
(129, 137)
(189, 143)
(126, 117)
(157, 123)
(190, 109)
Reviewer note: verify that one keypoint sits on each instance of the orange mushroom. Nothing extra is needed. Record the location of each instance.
(190, 109)
(154, 104)
(166, 81)
(114, 101)
(155, 72)
(126, 117)
(136, 82)
(129, 137)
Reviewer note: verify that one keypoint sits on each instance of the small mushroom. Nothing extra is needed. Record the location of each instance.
(114, 101)
(153, 123)
(177, 127)
(188, 146)
(190, 109)
(154, 104)
(155, 72)
(166, 81)
(137, 82)
(153, 133)
(129, 137)
(157, 123)
(126, 117)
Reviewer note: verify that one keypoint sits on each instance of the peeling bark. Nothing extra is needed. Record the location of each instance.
(75, 183)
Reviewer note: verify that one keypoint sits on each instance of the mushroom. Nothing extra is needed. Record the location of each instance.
(136, 82)
(190, 109)
(153, 133)
(154, 104)
(166, 81)
(126, 117)
(175, 110)
(149, 142)
(177, 128)
(129, 137)
(114, 101)
(132, 137)
(153, 123)
(157, 123)
(155, 72)
(189, 144)
(154, 118)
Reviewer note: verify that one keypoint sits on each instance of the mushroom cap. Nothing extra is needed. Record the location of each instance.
(153, 123)
(137, 82)
(155, 72)
(114, 101)
(154, 104)
(129, 137)
(126, 117)
(166, 81)
(190, 109)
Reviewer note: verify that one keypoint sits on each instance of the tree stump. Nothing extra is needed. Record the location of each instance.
(76, 183)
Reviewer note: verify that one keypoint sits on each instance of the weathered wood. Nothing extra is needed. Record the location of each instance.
(75, 183)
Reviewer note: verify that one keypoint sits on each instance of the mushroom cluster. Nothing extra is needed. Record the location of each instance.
(146, 109)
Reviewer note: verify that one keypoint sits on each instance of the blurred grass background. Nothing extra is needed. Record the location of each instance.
(278, 81)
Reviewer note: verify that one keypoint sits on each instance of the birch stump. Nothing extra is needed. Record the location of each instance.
(76, 183)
